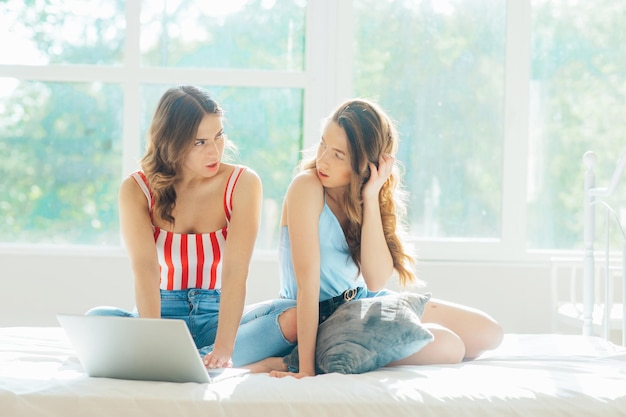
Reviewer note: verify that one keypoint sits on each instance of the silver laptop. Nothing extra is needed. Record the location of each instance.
(141, 349)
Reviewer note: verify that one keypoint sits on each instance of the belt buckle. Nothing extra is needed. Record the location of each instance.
(348, 295)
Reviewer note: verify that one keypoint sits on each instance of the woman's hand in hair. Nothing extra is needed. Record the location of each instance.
(378, 176)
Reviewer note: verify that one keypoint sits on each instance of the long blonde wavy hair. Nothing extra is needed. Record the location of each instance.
(172, 132)
(372, 133)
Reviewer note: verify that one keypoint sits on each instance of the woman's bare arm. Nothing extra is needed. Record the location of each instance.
(138, 237)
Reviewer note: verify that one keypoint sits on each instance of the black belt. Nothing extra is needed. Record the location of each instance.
(328, 307)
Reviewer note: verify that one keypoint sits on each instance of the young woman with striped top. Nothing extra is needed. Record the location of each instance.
(189, 222)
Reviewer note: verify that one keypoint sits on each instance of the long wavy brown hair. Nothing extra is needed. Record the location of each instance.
(172, 132)
(372, 133)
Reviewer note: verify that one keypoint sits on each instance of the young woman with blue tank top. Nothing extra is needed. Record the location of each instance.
(339, 242)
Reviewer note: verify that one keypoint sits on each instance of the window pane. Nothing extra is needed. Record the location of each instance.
(223, 34)
(60, 162)
(265, 124)
(61, 32)
(578, 97)
(439, 71)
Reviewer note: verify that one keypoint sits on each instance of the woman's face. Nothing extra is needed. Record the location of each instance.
(333, 157)
(206, 151)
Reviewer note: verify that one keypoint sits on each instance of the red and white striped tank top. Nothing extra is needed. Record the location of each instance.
(191, 260)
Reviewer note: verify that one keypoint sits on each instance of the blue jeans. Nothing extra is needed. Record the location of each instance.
(259, 335)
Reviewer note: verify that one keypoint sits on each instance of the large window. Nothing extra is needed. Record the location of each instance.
(496, 102)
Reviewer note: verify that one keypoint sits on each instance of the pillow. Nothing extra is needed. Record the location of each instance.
(368, 333)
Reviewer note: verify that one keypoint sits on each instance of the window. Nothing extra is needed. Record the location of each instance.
(61, 147)
(496, 102)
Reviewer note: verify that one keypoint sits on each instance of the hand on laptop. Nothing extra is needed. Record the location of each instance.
(218, 359)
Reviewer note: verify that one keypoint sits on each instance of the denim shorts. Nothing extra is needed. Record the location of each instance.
(199, 308)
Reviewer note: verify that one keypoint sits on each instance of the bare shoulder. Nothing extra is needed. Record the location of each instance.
(306, 182)
(248, 192)
(248, 181)
(130, 190)
(132, 200)
(306, 188)
(250, 176)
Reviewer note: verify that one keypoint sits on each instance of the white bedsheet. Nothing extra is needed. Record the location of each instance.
(529, 375)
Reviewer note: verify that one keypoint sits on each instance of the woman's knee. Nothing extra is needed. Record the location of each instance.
(287, 321)
(478, 331)
(488, 338)
(446, 348)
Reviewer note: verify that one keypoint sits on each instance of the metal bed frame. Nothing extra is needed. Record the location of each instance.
(597, 197)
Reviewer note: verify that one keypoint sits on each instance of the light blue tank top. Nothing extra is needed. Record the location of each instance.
(338, 272)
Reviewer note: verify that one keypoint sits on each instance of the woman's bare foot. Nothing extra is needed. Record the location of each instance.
(266, 366)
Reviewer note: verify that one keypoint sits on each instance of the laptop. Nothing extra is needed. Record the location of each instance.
(139, 349)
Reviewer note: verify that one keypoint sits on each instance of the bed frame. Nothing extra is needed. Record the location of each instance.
(599, 198)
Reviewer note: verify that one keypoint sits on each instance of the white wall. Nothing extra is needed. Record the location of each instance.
(36, 285)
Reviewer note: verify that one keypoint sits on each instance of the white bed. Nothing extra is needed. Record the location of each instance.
(528, 375)
(534, 375)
